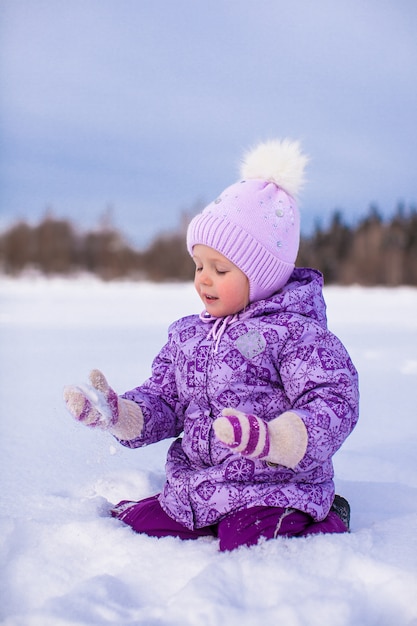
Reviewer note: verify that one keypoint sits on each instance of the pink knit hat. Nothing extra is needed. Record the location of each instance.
(255, 222)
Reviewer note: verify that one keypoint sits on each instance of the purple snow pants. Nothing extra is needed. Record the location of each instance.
(243, 528)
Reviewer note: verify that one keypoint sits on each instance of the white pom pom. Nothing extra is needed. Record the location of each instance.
(281, 162)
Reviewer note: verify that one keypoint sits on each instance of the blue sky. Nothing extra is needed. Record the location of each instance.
(147, 106)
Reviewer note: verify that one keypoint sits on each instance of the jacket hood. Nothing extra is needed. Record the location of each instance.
(302, 294)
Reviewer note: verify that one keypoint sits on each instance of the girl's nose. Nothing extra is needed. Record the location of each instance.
(205, 277)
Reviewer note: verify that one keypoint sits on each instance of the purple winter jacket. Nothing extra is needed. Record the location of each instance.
(275, 356)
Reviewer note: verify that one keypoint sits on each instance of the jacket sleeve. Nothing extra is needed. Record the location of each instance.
(158, 400)
(321, 384)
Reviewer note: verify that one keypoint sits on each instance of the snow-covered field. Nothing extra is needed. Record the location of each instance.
(64, 561)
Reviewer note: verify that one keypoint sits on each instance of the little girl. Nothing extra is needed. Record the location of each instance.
(258, 393)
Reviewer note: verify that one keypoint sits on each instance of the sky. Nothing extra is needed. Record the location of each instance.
(142, 109)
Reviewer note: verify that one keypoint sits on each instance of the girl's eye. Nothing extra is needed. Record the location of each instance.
(221, 272)
(198, 269)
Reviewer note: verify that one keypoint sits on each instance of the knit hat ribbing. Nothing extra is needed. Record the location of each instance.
(255, 222)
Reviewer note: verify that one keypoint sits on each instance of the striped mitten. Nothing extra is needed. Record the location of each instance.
(282, 441)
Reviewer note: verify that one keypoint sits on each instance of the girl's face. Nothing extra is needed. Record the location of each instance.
(223, 287)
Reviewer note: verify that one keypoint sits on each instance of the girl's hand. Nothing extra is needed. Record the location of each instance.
(242, 432)
(97, 405)
(282, 441)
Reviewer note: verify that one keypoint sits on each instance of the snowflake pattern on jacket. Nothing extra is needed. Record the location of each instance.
(275, 356)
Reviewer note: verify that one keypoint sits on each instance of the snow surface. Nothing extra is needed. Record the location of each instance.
(64, 561)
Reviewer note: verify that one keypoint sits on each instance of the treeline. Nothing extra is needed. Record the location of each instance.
(373, 252)
(56, 246)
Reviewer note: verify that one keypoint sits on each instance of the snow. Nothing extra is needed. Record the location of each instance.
(64, 561)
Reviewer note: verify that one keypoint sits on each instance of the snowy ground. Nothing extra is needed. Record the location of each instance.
(65, 562)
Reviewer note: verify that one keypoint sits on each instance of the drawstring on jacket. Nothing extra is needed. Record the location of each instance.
(219, 327)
